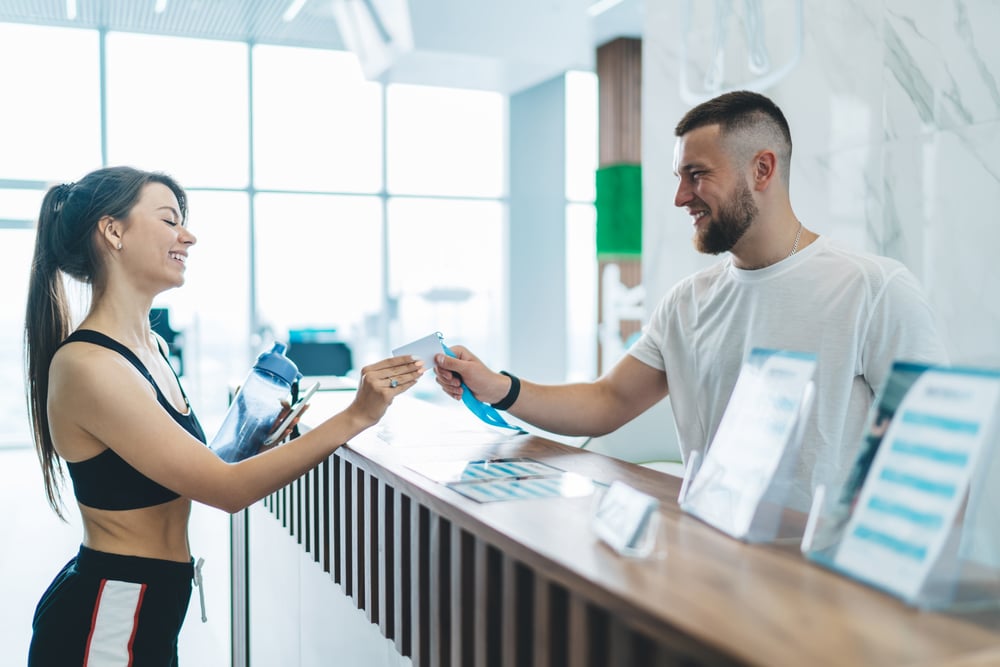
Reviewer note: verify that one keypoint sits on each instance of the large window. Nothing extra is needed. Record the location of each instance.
(581, 225)
(50, 112)
(19, 206)
(444, 255)
(18, 246)
(445, 271)
(180, 106)
(444, 141)
(319, 266)
(317, 122)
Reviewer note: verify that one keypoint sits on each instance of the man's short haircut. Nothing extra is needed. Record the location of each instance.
(748, 122)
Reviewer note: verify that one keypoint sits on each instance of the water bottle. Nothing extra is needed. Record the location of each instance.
(256, 406)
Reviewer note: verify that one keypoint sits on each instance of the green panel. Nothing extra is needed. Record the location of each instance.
(619, 211)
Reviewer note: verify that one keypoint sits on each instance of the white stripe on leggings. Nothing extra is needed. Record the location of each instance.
(115, 620)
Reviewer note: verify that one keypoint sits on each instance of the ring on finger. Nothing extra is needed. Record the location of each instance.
(393, 383)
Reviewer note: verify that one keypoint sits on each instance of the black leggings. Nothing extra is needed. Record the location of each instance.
(105, 609)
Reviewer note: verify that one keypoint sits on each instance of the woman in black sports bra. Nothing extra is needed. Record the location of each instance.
(105, 400)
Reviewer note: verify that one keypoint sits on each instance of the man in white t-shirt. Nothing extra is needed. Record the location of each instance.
(780, 286)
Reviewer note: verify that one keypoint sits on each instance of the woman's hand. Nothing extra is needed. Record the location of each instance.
(380, 383)
(286, 408)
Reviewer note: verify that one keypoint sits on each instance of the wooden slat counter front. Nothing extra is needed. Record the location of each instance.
(458, 583)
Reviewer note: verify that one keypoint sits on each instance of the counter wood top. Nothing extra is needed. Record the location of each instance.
(754, 604)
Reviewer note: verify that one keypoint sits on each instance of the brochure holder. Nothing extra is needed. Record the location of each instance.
(627, 520)
(740, 486)
(916, 516)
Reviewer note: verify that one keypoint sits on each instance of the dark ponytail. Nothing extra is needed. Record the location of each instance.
(65, 243)
(46, 325)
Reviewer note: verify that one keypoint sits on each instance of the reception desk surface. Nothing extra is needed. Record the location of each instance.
(526, 582)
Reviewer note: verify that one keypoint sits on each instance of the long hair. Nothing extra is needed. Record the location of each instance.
(65, 243)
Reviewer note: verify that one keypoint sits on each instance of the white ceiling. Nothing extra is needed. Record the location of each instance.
(502, 45)
(507, 45)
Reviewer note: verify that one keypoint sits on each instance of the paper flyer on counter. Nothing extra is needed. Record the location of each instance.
(491, 480)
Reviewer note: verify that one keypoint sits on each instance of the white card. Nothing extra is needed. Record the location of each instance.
(424, 349)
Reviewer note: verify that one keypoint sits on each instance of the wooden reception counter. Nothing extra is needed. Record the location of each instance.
(526, 583)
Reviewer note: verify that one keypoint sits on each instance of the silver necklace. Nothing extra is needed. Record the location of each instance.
(795, 246)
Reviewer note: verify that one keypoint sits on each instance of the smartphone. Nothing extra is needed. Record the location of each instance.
(296, 410)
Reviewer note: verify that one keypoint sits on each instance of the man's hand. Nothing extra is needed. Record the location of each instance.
(484, 384)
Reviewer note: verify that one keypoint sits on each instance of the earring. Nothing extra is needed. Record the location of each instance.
(119, 245)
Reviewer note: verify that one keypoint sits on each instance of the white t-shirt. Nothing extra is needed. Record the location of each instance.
(856, 311)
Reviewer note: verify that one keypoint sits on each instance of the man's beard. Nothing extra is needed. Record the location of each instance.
(729, 225)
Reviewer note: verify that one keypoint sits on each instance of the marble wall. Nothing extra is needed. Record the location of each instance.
(894, 107)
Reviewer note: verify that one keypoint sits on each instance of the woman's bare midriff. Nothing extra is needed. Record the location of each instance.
(150, 532)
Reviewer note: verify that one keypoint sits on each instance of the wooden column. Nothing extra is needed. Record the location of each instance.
(619, 77)
(619, 74)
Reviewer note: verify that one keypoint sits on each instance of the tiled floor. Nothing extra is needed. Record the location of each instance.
(35, 544)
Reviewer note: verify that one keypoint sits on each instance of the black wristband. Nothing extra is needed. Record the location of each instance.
(508, 400)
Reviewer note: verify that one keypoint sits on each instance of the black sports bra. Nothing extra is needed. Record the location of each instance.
(106, 481)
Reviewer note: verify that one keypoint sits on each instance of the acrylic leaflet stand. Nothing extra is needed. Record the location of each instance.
(627, 520)
(742, 484)
(916, 516)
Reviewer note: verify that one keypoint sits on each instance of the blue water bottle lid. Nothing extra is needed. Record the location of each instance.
(276, 363)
